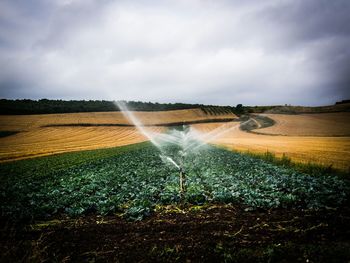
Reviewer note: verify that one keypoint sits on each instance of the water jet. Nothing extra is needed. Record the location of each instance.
(187, 140)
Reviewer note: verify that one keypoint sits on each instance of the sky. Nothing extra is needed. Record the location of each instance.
(220, 52)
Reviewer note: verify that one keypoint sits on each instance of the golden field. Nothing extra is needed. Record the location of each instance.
(318, 138)
(34, 139)
(326, 151)
(29, 122)
(322, 124)
(53, 140)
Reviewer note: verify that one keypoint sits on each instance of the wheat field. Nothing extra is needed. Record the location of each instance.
(303, 138)
(29, 122)
(53, 140)
(34, 139)
(321, 124)
(325, 151)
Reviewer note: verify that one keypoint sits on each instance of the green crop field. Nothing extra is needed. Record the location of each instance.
(61, 205)
(134, 180)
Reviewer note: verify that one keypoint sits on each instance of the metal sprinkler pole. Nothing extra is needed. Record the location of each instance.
(182, 178)
(182, 183)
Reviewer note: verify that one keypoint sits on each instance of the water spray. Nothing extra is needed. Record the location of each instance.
(189, 141)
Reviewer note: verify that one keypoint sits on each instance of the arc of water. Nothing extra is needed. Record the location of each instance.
(187, 141)
(214, 134)
(168, 159)
(138, 124)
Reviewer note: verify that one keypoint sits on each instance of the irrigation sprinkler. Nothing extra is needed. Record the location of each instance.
(182, 180)
(188, 140)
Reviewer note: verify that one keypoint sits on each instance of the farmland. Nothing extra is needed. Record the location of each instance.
(83, 195)
(40, 135)
(174, 131)
(317, 138)
(320, 125)
(29, 122)
(54, 140)
(320, 150)
(138, 180)
(97, 190)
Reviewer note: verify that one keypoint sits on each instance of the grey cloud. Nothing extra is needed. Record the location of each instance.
(216, 52)
(311, 20)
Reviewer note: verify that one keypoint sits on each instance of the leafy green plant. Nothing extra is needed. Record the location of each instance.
(134, 180)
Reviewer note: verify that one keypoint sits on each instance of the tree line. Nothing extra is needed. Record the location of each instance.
(45, 106)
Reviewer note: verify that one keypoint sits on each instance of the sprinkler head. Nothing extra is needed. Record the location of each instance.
(182, 170)
(182, 153)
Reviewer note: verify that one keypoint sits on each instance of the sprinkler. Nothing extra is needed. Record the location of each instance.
(182, 183)
(182, 175)
(187, 139)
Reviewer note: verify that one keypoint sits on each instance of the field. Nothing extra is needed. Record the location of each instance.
(324, 124)
(184, 201)
(138, 180)
(40, 135)
(54, 140)
(74, 198)
(317, 138)
(30, 122)
(320, 150)
(340, 107)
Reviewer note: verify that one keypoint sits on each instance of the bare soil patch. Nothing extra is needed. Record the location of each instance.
(215, 233)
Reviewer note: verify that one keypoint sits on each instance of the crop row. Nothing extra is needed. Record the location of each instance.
(135, 181)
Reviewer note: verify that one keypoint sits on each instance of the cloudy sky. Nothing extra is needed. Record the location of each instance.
(211, 51)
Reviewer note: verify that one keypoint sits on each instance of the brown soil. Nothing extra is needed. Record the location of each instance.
(212, 234)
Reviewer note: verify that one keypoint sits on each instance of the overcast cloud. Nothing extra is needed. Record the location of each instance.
(214, 52)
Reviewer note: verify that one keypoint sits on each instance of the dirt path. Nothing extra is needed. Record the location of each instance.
(257, 123)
